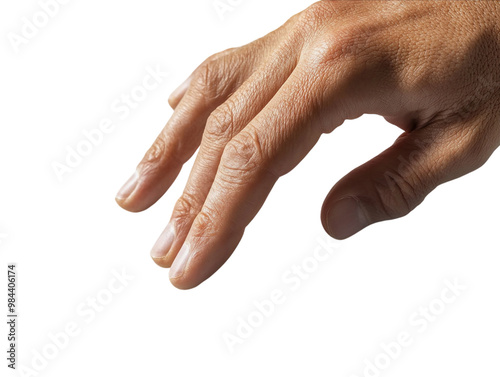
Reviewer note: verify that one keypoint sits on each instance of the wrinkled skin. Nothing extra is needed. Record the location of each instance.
(431, 68)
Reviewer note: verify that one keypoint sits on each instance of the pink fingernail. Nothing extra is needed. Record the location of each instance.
(128, 187)
(180, 262)
(164, 242)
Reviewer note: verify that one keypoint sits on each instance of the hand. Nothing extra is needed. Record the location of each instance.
(429, 67)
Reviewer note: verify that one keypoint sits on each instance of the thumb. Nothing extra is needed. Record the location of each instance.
(395, 182)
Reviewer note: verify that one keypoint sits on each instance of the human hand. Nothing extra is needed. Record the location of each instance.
(429, 67)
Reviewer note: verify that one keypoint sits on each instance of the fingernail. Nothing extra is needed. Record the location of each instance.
(180, 262)
(164, 242)
(128, 187)
(181, 89)
(345, 218)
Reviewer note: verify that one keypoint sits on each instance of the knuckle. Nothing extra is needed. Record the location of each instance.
(349, 44)
(314, 14)
(242, 158)
(220, 123)
(307, 23)
(205, 224)
(464, 145)
(479, 152)
(471, 146)
(207, 78)
(186, 206)
(212, 78)
(204, 78)
(220, 56)
(155, 156)
(399, 193)
(161, 153)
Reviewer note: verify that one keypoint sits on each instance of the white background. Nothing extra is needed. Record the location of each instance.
(67, 237)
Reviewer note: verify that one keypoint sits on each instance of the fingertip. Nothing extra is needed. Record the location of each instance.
(344, 217)
(127, 195)
(130, 205)
(187, 280)
(180, 276)
(128, 188)
(161, 250)
(191, 268)
(173, 102)
(161, 262)
(148, 189)
(178, 93)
